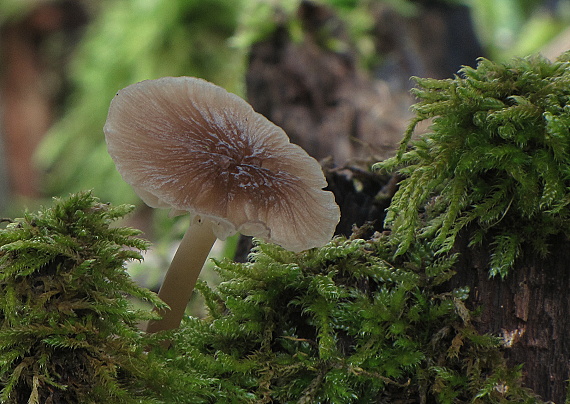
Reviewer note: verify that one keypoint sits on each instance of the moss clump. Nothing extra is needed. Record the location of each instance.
(67, 330)
(342, 324)
(496, 159)
(345, 323)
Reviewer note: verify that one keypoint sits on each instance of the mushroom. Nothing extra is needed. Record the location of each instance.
(186, 144)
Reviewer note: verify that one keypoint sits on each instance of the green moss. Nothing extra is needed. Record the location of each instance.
(342, 324)
(496, 158)
(67, 329)
(345, 323)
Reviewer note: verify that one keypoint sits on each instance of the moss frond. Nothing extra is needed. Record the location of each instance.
(346, 323)
(67, 329)
(495, 159)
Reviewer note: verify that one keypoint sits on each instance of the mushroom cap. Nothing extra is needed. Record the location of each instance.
(186, 144)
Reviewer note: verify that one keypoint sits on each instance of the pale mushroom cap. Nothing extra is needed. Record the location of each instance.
(189, 145)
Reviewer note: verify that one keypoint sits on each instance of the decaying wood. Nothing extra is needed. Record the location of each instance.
(320, 97)
(529, 310)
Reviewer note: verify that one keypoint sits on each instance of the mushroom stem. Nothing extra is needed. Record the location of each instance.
(182, 275)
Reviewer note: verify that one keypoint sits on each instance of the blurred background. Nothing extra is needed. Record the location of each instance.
(335, 74)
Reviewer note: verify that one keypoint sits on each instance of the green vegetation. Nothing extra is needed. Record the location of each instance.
(496, 160)
(509, 28)
(345, 323)
(67, 330)
(355, 321)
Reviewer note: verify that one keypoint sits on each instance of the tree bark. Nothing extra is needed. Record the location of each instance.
(529, 310)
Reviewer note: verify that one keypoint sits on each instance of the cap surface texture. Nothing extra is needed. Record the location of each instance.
(189, 145)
